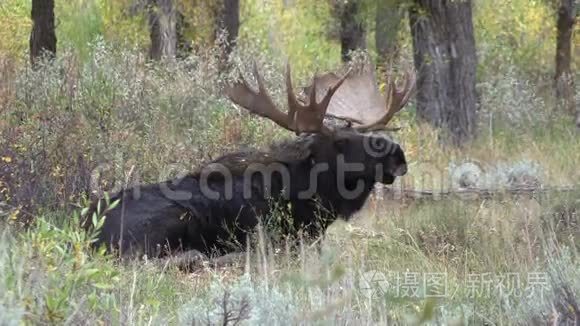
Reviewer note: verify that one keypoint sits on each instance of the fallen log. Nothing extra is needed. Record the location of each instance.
(472, 193)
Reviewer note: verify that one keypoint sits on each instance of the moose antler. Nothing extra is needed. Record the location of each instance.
(395, 101)
(359, 99)
(300, 117)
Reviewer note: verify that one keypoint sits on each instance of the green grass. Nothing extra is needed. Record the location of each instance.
(49, 275)
(101, 107)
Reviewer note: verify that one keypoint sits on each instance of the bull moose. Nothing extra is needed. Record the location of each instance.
(326, 172)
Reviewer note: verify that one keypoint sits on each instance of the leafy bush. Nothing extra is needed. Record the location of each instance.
(14, 28)
(516, 33)
(76, 127)
(525, 173)
(50, 277)
(244, 302)
(509, 99)
(560, 302)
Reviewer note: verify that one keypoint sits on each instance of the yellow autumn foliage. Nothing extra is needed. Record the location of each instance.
(508, 32)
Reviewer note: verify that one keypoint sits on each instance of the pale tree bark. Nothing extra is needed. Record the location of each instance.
(564, 77)
(162, 29)
(42, 36)
(352, 30)
(388, 16)
(445, 60)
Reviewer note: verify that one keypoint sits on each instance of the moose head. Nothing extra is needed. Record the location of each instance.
(353, 98)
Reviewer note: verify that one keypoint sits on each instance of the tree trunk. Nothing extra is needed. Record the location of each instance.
(564, 78)
(184, 46)
(445, 60)
(162, 29)
(42, 37)
(228, 21)
(227, 27)
(352, 31)
(387, 23)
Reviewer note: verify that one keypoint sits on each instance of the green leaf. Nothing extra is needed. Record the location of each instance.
(103, 286)
(90, 272)
(114, 204)
(95, 220)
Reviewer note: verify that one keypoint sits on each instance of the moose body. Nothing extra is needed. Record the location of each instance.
(323, 174)
(317, 178)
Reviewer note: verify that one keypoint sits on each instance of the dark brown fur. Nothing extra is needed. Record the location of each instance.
(155, 222)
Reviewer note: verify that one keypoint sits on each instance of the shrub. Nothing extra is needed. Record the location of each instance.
(76, 127)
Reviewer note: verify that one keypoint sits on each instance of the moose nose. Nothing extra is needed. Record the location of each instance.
(400, 171)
